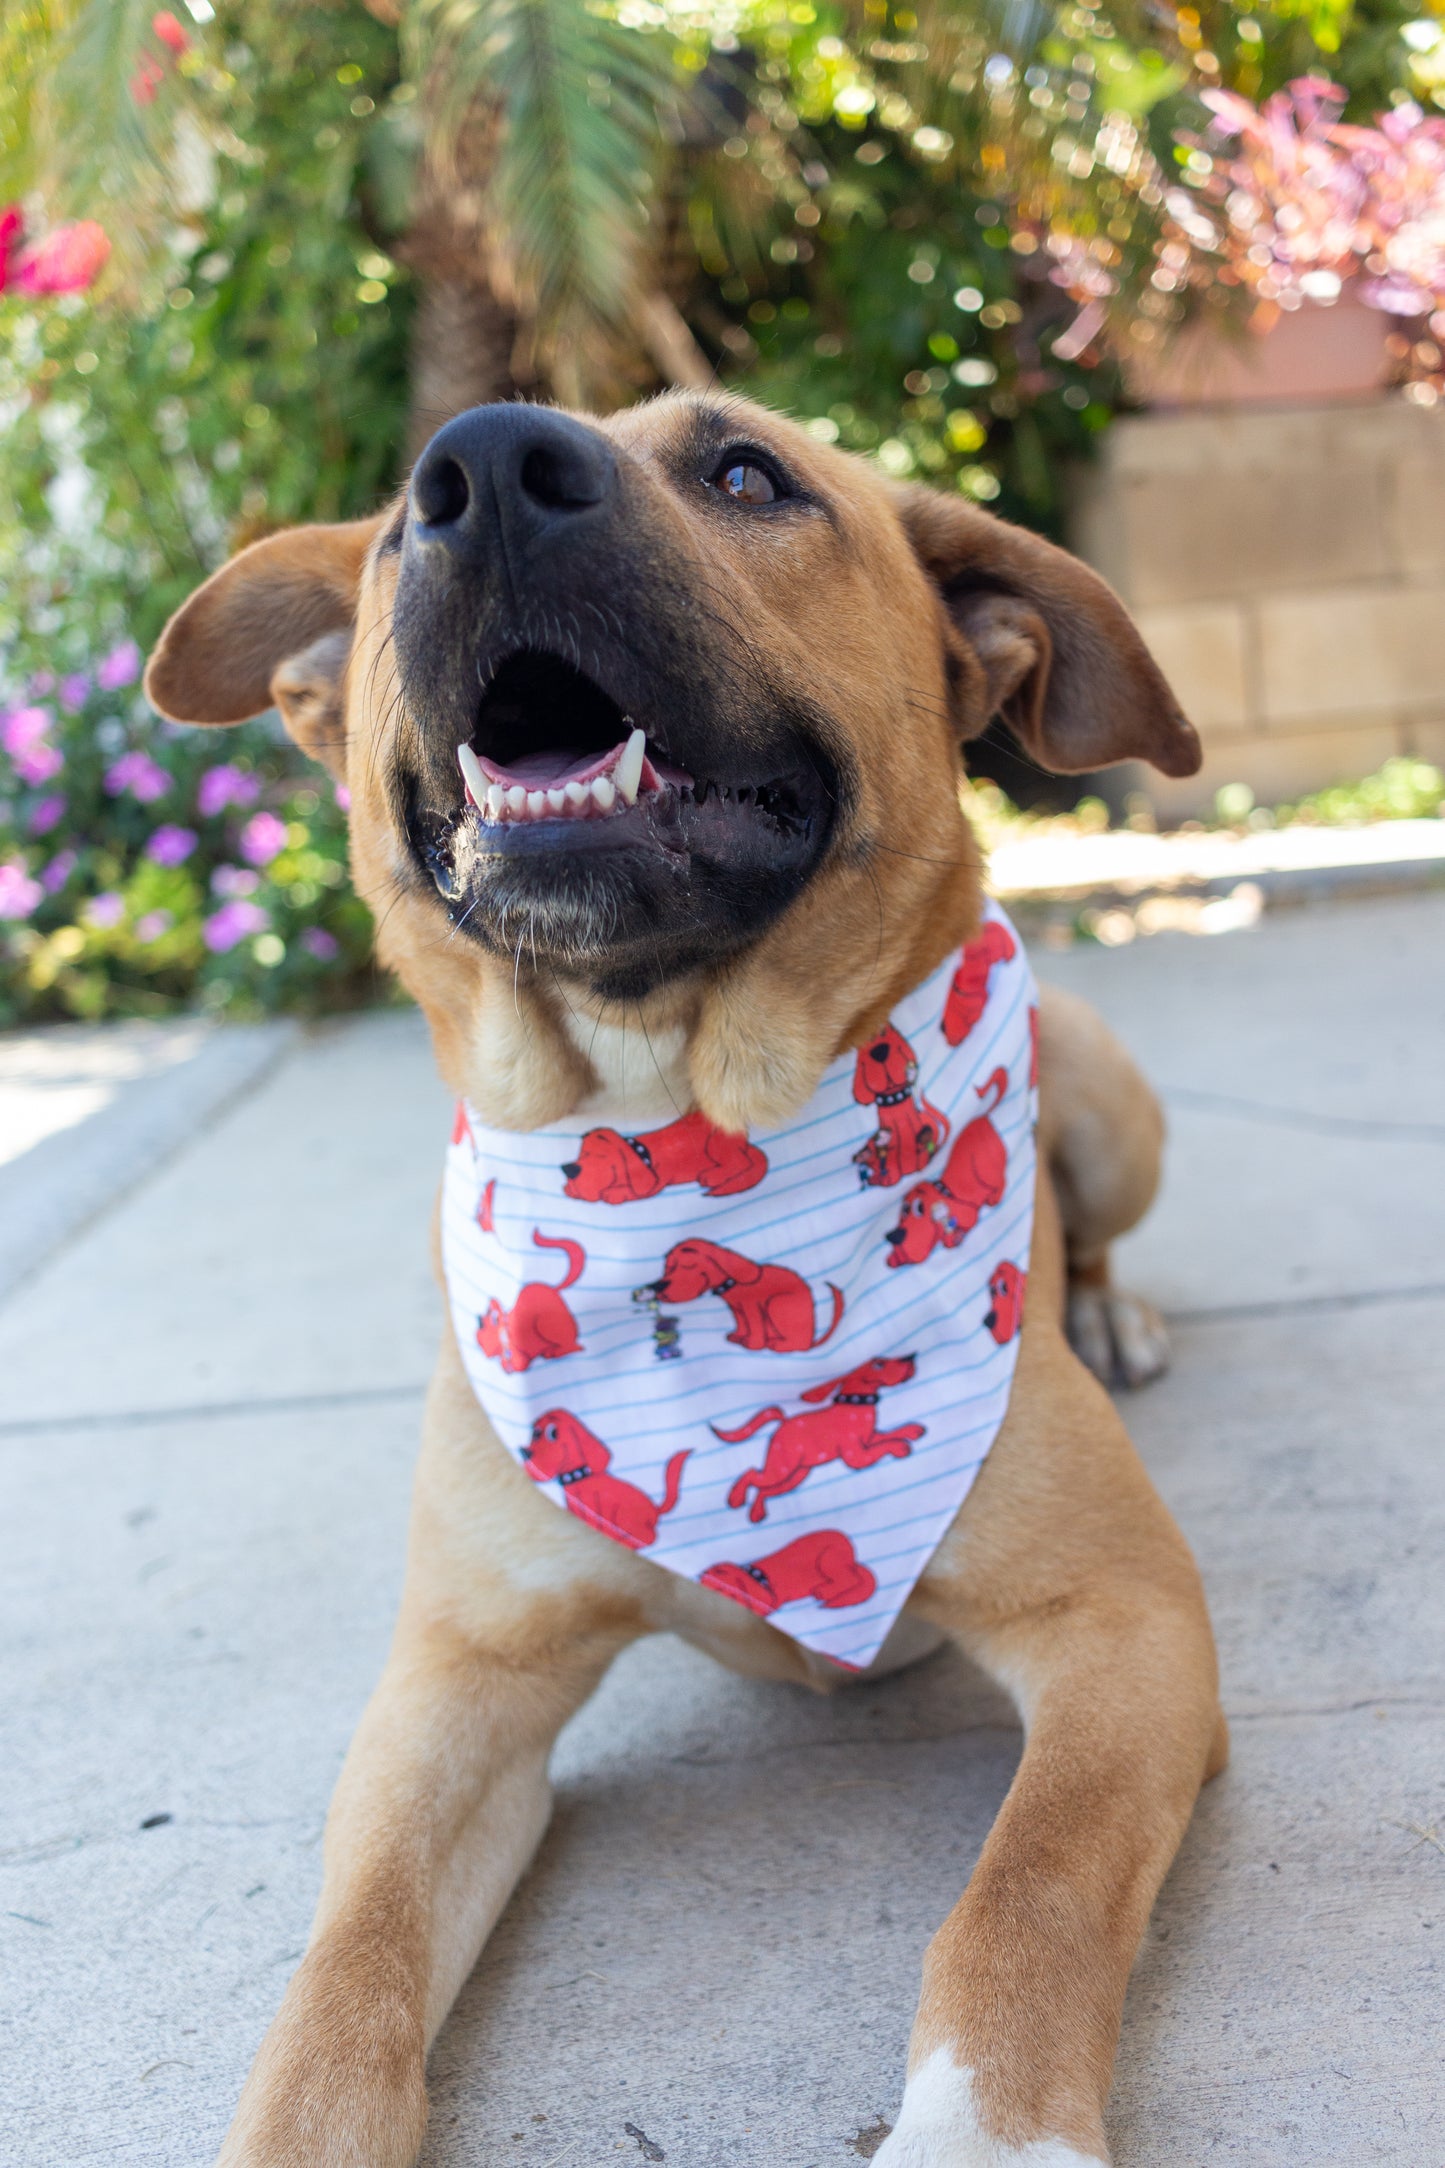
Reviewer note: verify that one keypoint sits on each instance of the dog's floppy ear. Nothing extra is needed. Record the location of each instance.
(1044, 642)
(273, 627)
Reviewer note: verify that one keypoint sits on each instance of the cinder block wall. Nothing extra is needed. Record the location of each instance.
(1287, 567)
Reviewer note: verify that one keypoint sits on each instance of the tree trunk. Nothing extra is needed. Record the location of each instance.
(461, 353)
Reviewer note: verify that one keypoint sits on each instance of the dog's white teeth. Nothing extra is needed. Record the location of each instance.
(496, 801)
(556, 801)
(536, 803)
(576, 794)
(516, 799)
(472, 774)
(604, 797)
(627, 775)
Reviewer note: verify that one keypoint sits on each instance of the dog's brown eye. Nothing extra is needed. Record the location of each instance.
(745, 483)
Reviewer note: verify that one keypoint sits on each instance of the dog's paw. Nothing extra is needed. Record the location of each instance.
(938, 2127)
(1119, 1336)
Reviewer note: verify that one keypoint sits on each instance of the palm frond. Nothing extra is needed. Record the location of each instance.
(577, 101)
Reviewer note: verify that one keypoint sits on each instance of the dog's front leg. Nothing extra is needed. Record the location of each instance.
(438, 1809)
(1065, 1577)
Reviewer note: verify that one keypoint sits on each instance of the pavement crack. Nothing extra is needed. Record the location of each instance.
(1325, 1125)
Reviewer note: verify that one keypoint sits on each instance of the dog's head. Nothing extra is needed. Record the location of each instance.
(1006, 1301)
(663, 712)
(926, 1219)
(871, 1377)
(742, 1586)
(885, 1064)
(492, 1336)
(609, 1170)
(560, 1445)
(690, 1269)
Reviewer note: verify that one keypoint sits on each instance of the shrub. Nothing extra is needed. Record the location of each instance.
(144, 866)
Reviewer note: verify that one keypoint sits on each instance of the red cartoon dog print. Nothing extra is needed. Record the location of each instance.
(1006, 1289)
(539, 1326)
(821, 1565)
(968, 995)
(974, 1176)
(461, 1127)
(772, 1306)
(565, 1451)
(909, 1130)
(846, 1430)
(613, 1169)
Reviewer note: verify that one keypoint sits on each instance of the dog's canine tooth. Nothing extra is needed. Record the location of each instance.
(576, 794)
(536, 803)
(496, 800)
(628, 772)
(604, 797)
(556, 801)
(472, 775)
(516, 799)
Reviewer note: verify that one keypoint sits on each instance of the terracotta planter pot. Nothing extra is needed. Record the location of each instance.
(1310, 354)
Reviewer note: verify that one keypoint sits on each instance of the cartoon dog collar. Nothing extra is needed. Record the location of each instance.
(889, 1223)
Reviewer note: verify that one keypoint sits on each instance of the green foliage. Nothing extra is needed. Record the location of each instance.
(574, 159)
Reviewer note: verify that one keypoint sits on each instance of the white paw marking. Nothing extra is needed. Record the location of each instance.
(1120, 1337)
(938, 2127)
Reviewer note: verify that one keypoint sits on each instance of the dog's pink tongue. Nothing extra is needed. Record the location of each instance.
(556, 766)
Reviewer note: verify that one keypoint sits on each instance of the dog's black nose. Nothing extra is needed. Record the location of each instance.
(572, 1169)
(509, 473)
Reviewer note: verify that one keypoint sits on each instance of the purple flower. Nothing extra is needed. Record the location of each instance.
(45, 813)
(226, 785)
(54, 876)
(43, 682)
(138, 774)
(343, 797)
(120, 667)
(234, 881)
(262, 838)
(106, 910)
(319, 943)
(19, 894)
(153, 924)
(171, 846)
(224, 928)
(75, 690)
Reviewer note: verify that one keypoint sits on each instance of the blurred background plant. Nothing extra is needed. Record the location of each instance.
(250, 256)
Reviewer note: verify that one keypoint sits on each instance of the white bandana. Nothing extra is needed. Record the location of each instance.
(774, 1364)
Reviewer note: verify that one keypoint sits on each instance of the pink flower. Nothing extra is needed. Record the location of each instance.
(21, 728)
(54, 876)
(262, 838)
(152, 924)
(322, 945)
(171, 846)
(39, 764)
(45, 813)
(224, 928)
(19, 894)
(75, 690)
(12, 231)
(226, 785)
(139, 775)
(343, 797)
(170, 33)
(234, 881)
(120, 667)
(67, 261)
(147, 80)
(106, 910)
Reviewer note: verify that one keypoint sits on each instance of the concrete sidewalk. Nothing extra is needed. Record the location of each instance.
(208, 1415)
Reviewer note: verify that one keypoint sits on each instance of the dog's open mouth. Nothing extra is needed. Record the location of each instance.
(573, 807)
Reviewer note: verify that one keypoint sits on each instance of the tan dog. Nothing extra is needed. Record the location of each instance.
(706, 920)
